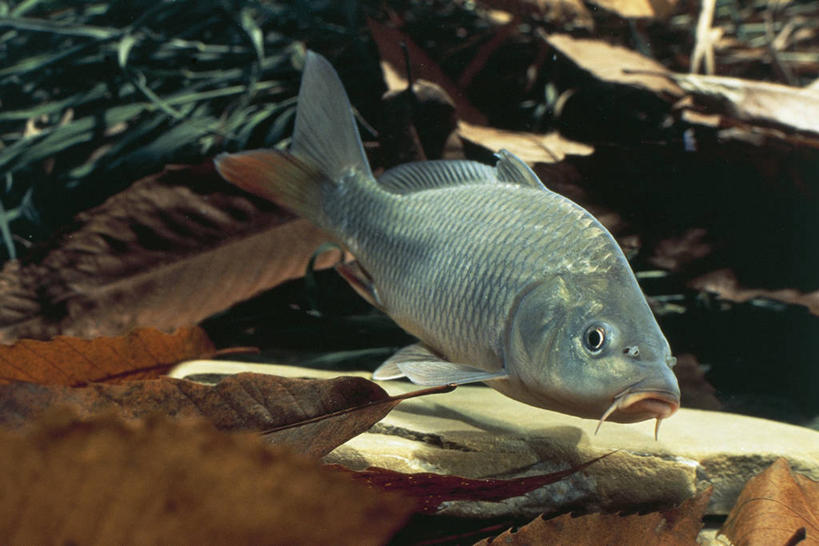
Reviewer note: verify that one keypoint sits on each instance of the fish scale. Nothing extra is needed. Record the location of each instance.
(501, 280)
(410, 280)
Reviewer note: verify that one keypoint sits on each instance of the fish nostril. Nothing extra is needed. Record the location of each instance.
(632, 351)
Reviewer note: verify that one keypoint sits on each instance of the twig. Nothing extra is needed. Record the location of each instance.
(704, 46)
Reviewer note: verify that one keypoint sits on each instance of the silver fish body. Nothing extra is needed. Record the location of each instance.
(500, 279)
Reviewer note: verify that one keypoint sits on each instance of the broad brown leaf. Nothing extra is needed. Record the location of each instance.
(72, 361)
(105, 481)
(775, 507)
(311, 415)
(431, 490)
(676, 527)
(168, 251)
(530, 147)
(615, 64)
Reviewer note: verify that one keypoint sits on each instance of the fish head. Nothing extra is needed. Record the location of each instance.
(590, 346)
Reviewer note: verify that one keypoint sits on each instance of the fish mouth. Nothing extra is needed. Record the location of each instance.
(653, 403)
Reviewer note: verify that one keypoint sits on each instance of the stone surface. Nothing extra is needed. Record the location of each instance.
(479, 433)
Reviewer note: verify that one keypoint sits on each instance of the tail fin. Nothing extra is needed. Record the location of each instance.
(276, 176)
(326, 146)
(326, 134)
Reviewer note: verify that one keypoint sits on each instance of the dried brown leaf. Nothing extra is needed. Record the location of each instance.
(764, 103)
(169, 251)
(775, 507)
(561, 13)
(530, 147)
(615, 64)
(311, 415)
(109, 482)
(678, 526)
(71, 361)
(638, 9)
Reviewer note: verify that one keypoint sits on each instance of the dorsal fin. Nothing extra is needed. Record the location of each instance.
(510, 168)
(439, 173)
(325, 134)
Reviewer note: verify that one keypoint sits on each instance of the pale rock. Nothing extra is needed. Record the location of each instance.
(476, 432)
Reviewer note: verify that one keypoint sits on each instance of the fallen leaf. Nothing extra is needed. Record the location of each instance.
(389, 40)
(638, 9)
(319, 435)
(678, 526)
(169, 251)
(312, 415)
(763, 103)
(561, 13)
(775, 507)
(530, 147)
(724, 283)
(71, 361)
(431, 490)
(104, 481)
(615, 64)
(415, 124)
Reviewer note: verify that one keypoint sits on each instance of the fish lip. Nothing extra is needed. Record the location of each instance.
(657, 402)
(639, 401)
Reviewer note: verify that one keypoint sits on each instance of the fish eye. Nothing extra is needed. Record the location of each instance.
(594, 338)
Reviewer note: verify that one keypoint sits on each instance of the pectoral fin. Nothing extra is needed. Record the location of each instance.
(360, 280)
(421, 366)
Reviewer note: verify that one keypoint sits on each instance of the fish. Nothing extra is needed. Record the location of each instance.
(500, 279)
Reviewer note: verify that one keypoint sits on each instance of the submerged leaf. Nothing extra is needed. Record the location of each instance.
(676, 527)
(71, 361)
(431, 490)
(775, 507)
(169, 251)
(108, 482)
(312, 415)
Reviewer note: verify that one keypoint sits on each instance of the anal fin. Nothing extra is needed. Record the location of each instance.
(421, 366)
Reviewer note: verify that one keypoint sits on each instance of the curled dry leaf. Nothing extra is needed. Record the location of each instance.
(168, 251)
(105, 481)
(676, 527)
(71, 361)
(431, 490)
(775, 507)
(764, 103)
(311, 415)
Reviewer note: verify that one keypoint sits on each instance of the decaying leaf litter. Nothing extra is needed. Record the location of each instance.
(166, 96)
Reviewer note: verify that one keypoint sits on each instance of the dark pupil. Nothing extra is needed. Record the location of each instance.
(595, 338)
